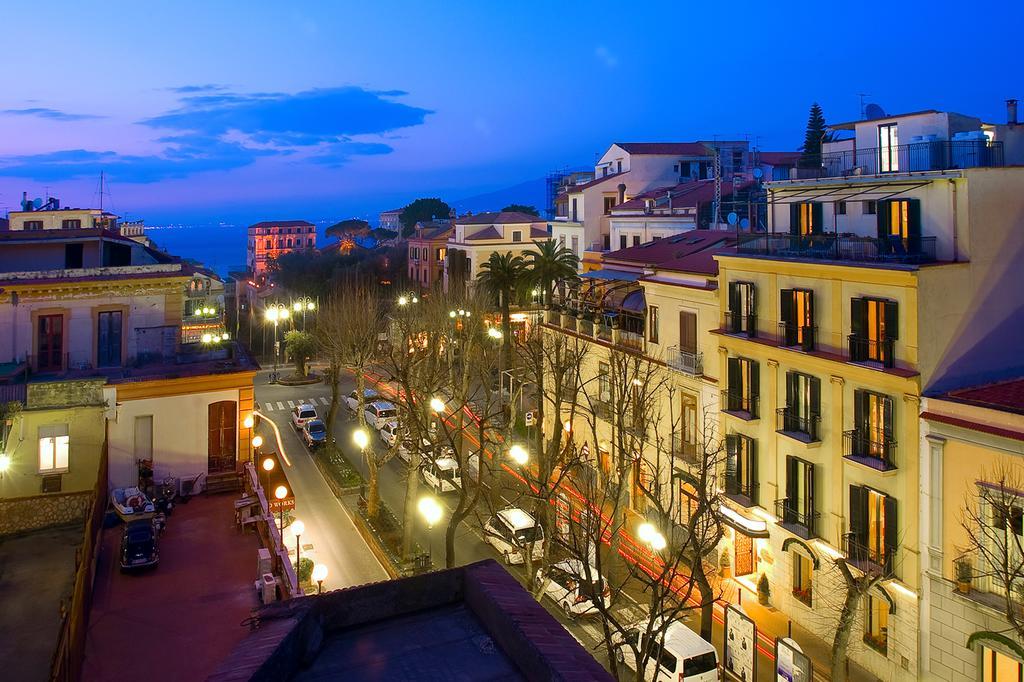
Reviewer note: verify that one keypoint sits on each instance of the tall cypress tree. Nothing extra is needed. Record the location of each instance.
(815, 135)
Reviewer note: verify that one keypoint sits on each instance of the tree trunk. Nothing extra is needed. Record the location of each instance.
(412, 486)
(855, 589)
(334, 373)
(506, 333)
(372, 492)
(707, 598)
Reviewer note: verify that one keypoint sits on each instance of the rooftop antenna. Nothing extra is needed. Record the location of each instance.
(863, 111)
(101, 191)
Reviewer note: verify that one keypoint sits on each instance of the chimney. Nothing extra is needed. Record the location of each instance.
(622, 192)
(1011, 112)
(668, 194)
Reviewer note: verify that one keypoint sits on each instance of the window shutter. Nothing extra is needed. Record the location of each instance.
(858, 512)
(808, 320)
(794, 218)
(892, 320)
(883, 211)
(792, 471)
(815, 385)
(817, 218)
(858, 317)
(787, 306)
(809, 493)
(734, 378)
(887, 416)
(755, 384)
(890, 530)
(860, 409)
(752, 469)
(731, 444)
(734, 306)
(914, 225)
(687, 331)
(751, 299)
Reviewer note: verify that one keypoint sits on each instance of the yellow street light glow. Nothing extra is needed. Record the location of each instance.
(467, 313)
(452, 313)
(280, 492)
(248, 422)
(257, 441)
(493, 333)
(271, 314)
(310, 306)
(437, 405)
(361, 438)
(297, 527)
(567, 426)
(430, 510)
(207, 338)
(645, 532)
(5, 463)
(415, 300)
(536, 292)
(658, 542)
(402, 300)
(319, 573)
(224, 336)
(283, 313)
(518, 454)
(268, 464)
(296, 306)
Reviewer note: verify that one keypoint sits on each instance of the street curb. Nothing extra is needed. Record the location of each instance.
(373, 542)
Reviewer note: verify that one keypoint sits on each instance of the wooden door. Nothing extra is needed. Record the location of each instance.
(50, 343)
(223, 438)
(746, 563)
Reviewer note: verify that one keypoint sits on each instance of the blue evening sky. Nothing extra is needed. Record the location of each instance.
(201, 110)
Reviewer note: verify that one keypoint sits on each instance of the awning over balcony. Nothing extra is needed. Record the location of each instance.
(839, 189)
(612, 275)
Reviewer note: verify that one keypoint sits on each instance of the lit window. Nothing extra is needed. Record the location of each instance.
(54, 444)
(803, 578)
(876, 624)
(997, 666)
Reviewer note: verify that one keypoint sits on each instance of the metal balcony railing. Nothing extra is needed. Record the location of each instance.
(602, 409)
(788, 422)
(686, 361)
(878, 560)
(631, 340)
(797, 336)
(684, 449)
(870, 448)
(933, 155)
(863, 349)
(795, 519)
(740, 404)
(738, 323)
(839, 247)
(738, 490)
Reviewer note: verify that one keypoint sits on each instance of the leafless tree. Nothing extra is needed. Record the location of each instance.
(348, 332)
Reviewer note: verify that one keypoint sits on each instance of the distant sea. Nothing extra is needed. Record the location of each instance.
(220, 247)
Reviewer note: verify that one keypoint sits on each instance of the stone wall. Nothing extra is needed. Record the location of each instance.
(22, 514)
(75, 393)
(953, 617)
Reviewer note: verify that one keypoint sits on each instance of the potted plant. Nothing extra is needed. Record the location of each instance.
(764, 592)
(725, 564)
(964, 575)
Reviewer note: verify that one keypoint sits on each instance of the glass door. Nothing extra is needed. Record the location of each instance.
(888, 148)
(50, 343)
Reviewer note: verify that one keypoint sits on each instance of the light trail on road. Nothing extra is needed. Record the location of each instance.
(277, 435)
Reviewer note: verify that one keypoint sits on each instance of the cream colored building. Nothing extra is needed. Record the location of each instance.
(475, 237)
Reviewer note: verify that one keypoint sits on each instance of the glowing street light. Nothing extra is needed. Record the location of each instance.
(319, 576)
(452, 313)
(567, 426)
(361, 438)
(281, 492)
(518, 454)
(297, 528)
(437, 405)
(248, 421)
(5, 463)
(257, 442)
(268, 464)
(650, 535)
(431, 512)
(494, 333)
(402, 300)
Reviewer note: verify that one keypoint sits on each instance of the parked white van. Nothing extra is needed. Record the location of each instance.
(389, 432)
(380, 413)
(443, 475)
(681, 656)
(352, 399)
(510, 531)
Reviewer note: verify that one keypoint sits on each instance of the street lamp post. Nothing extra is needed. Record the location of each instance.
(319, 576)
(431, 511)
(496, 334)
(276, 313)
(280, 493)
(297, 528)
(303, 305)
(267, 465)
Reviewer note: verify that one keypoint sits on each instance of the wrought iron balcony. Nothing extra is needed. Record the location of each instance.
(795, 519)
(602, 409)
(872, 560)
(797, 336)
(801, 427)
(686, 361)
(863, 349)
(930, 155)
(684, 450)
(738, 323)
(740, 491)
(739, 404)
(839, 247)
(875, 450)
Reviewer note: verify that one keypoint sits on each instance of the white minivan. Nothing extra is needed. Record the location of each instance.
(681, 656)
(389, 433)
(510, 531)
(379, 413)
(443, 475)
(569, 587)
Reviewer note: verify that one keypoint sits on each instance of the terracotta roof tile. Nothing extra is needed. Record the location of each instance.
(282, 223)
(1007, 395)
(499, 218)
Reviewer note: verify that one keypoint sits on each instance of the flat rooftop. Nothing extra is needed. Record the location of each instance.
(180, 619)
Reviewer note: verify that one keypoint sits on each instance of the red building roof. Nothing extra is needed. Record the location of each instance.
(691, 251)
(281, 223)
(499, 218)
(1006, 396)
(686, 194)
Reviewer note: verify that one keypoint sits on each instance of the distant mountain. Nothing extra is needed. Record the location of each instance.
(530, 193)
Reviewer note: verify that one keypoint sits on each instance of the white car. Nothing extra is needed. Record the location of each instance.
(443, 475)
(511, 531)
(569, 587)
(679, 656)
(379, 413)
(407, 446)
(302, 413)
(389, 432)
(352, 399)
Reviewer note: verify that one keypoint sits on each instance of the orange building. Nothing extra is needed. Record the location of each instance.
(271, 239)
(427, 249)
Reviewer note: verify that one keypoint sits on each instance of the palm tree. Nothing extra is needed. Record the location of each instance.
(501, 275)
(548, 263)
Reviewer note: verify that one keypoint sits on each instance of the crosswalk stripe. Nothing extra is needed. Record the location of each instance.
(325, 401)
(269, 407)
(280, 405)
(291, 404)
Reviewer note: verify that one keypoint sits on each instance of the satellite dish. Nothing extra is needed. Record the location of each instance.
(872, 111)
(745, 223)
(732, 217)
(757, 173)
(37, 202)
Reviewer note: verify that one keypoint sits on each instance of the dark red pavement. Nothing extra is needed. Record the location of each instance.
(179, 621)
